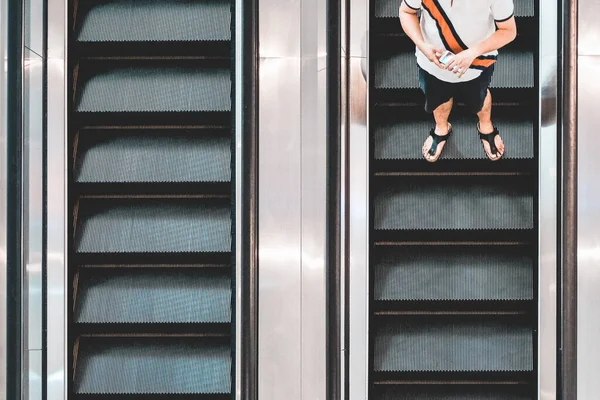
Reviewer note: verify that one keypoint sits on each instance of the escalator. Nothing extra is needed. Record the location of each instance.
(453, 251)
(152, 194)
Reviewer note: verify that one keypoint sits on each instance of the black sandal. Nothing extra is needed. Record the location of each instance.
(491, 139)
(437, 139)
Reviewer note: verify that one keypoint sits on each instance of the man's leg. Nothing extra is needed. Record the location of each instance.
(442, 127)
(486, 126)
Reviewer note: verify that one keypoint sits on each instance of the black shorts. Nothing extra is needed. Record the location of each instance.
(472, 93)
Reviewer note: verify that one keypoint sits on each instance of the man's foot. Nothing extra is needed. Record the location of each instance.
(492, 142)
(435, 142)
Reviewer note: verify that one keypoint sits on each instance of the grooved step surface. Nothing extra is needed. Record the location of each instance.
(147, 226)
(403, 140)
(389, 8)
(152, 366)
(469, 346)
(449, 393)
(465, 202)
(157, 20)
(164, 89)
(453, 273)
(140, 295)
(399, 71)
(157, 157)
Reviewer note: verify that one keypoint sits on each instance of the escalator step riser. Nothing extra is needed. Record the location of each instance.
(389, 8)
(159, 157)
(156, 20)
(453, 203)
(152, 366)
(403, 140)
(157, 89)
(155, 227)
(437, 347)
(450, 393)
(399, 71)
(153, 296)
(430, 274)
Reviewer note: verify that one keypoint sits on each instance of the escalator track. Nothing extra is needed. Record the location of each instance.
(453, 265)
(152, 197)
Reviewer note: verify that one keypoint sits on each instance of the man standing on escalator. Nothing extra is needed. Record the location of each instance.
(457, 44)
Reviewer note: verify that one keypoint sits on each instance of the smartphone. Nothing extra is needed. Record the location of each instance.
(446, 57)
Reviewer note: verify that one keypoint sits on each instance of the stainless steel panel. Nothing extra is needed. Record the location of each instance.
(313, 189)
(56, 202)
(32, 178)
(358, 197)
(548, 211)
(359, 28)
(588, 235)
(3, 187)
(280, 28)
(35, 375)
(239, 242)
(34, 25)
(279, 234)
(589, 34)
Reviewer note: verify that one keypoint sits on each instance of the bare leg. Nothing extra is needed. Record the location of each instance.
(486, 126)
(442, 127)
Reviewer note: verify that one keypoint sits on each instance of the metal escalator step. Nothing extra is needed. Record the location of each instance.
(389, 8)
(152, 295)
(456, 273)
(454, 203)
(399, 71)
(152, 366)
(157, 20)
(474, 346)
(153, 226)
(451, 392)
(163, 156)
(403, 140)
(157, 89)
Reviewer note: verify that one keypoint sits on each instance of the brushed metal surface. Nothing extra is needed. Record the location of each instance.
(279, 229)
(358, 234)
(588, 235)
(548, 211)
(313, 194)
(56, 365)
(33, 26)
(589, 34)
(3, 195)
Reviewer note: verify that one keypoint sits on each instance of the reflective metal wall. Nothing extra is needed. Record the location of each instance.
(291, 195)
(3, 187)
(588, 220)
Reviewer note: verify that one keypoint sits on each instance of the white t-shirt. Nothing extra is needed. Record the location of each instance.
(456, 25)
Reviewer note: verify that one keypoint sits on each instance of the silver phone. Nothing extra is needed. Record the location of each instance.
(446, 57)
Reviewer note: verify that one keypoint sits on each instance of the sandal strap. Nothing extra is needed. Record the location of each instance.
(491, 139)
(437, 139)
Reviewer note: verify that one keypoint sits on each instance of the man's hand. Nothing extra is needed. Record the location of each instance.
(432, 54)
(461, 62)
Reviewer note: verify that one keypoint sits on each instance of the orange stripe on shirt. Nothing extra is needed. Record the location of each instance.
(444, 26)
(482, 63)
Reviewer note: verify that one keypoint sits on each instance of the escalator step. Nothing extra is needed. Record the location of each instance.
(399, 71)
(151, 295)
(453, 273)
(157, 89)
(450, 393)
(157, 20)
(389, 8)
(152, 366)
(454, 202)
(149, 226)
(153, 157)
(479, 346)
(403, 140)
